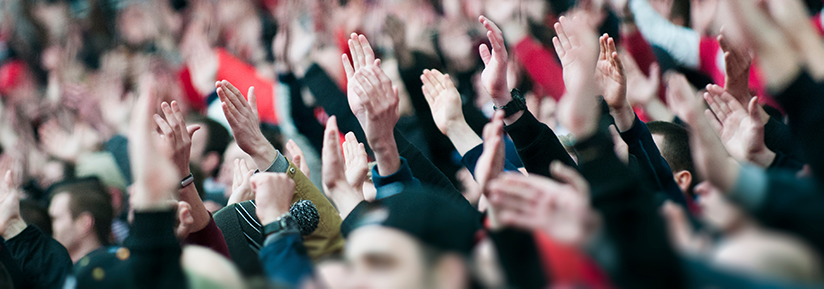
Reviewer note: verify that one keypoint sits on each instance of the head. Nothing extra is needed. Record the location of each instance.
(418, 238)
(716, 211)
(673, 142)
(208, 145)
(82, 213)
(676, 11)
(385, 257)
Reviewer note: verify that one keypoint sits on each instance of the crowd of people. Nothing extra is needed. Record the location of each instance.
(411, 144)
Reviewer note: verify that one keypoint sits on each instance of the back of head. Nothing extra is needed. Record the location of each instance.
(772, 255)
(676, 146)
(218, 137)
(89, 195)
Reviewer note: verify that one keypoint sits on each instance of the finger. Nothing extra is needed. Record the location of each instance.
(386, 83)
(486, 56)
(438, 80)
(617, 63)
(602, 54)
(714, 123)
(611, 45)
(253, 100)
(223, 94)
(448, 84)
(568, 175)
(559, 49)
(244, 166)
(236, 97)
(164, 127)
(192, 129)
(347, 66)
(752, 109)
(358, 51)
(562, 37)
(369, 55)
(181, 121)
(716, 110)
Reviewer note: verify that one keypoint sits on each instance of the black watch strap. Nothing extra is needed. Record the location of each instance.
(285, 222)
(518, 103)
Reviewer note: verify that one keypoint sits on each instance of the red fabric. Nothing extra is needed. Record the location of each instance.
(196, 101)
(243, 76)
(817, 23)
(11, 75)
(641, 52)
(567, 265)
(542, 67)
(211, 237)
(712, 64)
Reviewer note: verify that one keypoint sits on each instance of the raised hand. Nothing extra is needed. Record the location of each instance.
(242, 116)
(737, 62)
(57, 142)
(710, 157)
(356, 165)
(493, 76)
(577, 49)
(337, 188)
(176, 135)
(491, 162)
(610, 77)
(641, 89)
(362, 55)
(273, 195)
(155, 176)
(445, 103)
(559, 208)
(297, 156)
(740, 128)
(241, 184)
(11, 223)
(379, 98)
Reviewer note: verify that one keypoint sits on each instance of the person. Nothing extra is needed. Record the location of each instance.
(82, 216)
(673, 142)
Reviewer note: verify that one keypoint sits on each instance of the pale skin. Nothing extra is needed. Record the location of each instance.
(445, 102)
(337, 188)
(577, 49)
(242, 116)
(739, 128)
(491, 162)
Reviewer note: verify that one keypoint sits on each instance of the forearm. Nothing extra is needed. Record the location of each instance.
(680, 42)
(624, 117)
(13, 228)
(657, 110)
(711, 158)
(463, 137)
(199, 212)
(386, 155)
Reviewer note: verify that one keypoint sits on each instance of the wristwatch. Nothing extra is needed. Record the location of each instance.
(284, 222)
(518, 103)
(188, 180)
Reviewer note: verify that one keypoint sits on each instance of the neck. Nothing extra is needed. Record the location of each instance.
(83, 248)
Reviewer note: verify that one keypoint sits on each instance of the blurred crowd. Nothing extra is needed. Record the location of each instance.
(411, 144)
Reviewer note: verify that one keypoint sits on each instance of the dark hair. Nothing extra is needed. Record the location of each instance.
(676, 150)
(272, 134)
(35, 214)
(89, 195)
(217, 139)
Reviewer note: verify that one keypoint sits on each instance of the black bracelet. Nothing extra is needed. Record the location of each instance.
(188, 180)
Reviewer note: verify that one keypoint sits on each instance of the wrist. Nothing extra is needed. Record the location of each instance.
(462, 137)
(270, 215)
(13, 227)
(624, 117)
(762, 158)
(387, 157)
(501, 99)
(264, 155)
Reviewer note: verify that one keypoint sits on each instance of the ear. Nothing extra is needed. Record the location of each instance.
(185, 219)
(84, 223)
(683, 179)
(451, 272)
(210, 163)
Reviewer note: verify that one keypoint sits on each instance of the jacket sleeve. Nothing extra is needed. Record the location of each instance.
(778, 138)
(537, 144)
(155, 251)
(210, 237)
(633, 233)
(803, 102)
(641, 145)
(43, 262)
(326, 239)
(285, 260)
(470, 159)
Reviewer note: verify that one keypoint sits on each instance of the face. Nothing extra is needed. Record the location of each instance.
(715, 209)
(64, 227)
(382, 257)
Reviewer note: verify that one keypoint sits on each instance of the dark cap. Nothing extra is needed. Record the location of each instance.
(443, 220)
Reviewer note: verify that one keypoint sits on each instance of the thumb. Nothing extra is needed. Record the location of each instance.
(567, 175)
(752, 107)
(192, 129)
(253, 99)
